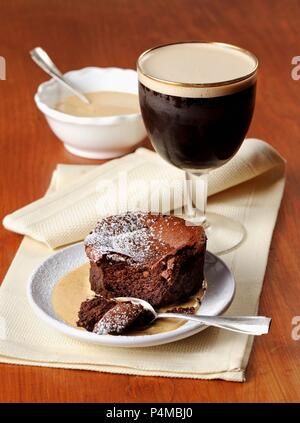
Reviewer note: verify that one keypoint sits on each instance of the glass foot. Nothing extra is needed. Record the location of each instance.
(223, 234)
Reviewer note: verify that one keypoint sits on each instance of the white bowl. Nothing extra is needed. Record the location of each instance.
(93, 137)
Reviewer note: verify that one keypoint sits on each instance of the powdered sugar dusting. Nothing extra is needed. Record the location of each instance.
(130, 234)
(118, 319)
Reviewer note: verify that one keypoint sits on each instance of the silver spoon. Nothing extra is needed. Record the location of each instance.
(251, 325)
(41, 58)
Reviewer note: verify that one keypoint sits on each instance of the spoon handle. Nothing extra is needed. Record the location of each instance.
(251, 325)
(41, 58)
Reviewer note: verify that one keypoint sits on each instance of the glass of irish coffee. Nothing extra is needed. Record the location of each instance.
(197, 101)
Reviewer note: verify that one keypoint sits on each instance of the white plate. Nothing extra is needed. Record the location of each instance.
(218, 297)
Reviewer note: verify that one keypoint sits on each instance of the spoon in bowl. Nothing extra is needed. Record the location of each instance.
(250, 325)
(41, 58)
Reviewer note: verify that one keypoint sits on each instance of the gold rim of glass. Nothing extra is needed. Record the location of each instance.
(208, 84)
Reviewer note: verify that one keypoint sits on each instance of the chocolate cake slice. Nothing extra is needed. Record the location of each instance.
(150, 256)
(92, 310)
(106, 316)
(123, 317)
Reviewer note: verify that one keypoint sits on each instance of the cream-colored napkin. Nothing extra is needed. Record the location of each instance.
(256, 178)
(69, 214)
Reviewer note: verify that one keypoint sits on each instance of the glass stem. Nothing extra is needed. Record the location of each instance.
(190, 211)
(196, 188)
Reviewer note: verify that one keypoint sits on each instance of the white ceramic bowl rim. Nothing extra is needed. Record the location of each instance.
(64, 117)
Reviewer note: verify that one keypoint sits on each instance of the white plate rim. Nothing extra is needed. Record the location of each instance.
(184, 331)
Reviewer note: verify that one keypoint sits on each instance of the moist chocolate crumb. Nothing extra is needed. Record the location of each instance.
(92, 310)
(108, 316)
(122, 317)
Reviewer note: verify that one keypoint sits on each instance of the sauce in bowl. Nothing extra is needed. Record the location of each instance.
(103, 103)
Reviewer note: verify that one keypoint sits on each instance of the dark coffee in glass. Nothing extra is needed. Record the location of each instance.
(197, 133)
(197, 101)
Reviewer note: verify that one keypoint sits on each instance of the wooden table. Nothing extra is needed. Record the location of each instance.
(113, 33)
